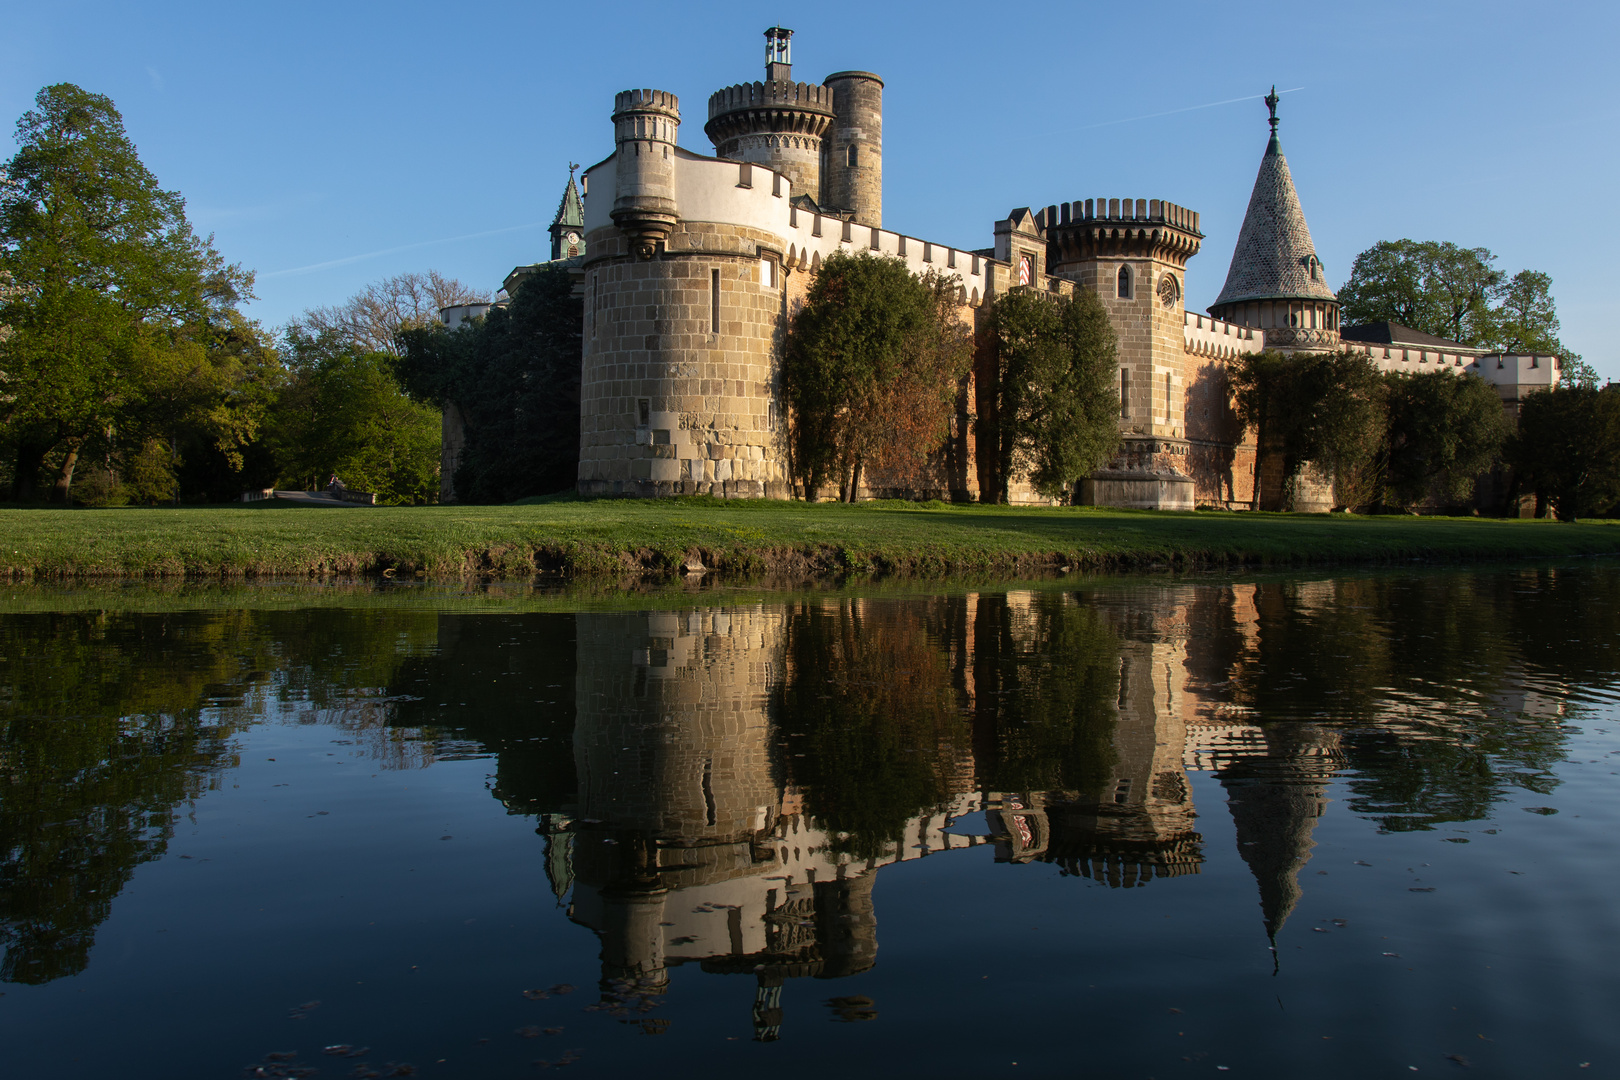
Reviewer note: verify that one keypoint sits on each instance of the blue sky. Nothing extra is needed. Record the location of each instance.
(328, 145)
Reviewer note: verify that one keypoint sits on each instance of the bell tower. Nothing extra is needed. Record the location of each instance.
(777, 123)
(568, 228)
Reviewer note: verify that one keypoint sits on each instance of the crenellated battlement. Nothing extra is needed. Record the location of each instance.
(772, 93)
(1120, 228)
(1209, 337)
(647, 101)
(768, 108)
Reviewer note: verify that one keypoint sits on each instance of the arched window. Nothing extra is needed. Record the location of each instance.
(1124, 282)
(852, 162)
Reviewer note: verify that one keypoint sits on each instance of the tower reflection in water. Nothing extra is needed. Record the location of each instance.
(744, 773)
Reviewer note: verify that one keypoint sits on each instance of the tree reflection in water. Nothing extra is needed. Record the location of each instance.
(720, 785)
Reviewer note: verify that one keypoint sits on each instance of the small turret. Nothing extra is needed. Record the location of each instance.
(645, 126)
(852, 176)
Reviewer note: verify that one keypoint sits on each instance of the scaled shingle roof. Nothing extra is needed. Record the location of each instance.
(1274, 255)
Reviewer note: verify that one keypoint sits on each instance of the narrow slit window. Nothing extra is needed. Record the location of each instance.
(1124, 393)
(852, 157)
(714, 301)
(1124, 283)
(1168, 415)
(643, 412)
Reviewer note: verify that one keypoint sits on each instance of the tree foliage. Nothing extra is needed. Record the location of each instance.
(114, 307)
(342, 412)
(1323, 408)
(871, 369)
(1383, 438)
(1455, 293)
(514, 377)
(1444, 430)
(1567, 448)
(1053, 408)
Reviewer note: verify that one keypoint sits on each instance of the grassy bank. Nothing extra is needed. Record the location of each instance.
(781, 540)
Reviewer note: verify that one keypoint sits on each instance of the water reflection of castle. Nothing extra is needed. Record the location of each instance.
(690, 842)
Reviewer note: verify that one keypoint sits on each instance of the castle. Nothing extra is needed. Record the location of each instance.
(692, 266)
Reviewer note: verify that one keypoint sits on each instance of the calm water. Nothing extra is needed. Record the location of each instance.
(1275, 827)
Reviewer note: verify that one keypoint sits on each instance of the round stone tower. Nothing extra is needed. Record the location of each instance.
(852, 177)
(645, 125)
(684, 301)
(777, 123)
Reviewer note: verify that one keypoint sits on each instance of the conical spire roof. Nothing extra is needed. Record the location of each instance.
(1275, 258)
(571, 212)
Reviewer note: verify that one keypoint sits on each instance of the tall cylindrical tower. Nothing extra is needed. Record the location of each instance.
(645, 125)
(852, 176)
(777, 123)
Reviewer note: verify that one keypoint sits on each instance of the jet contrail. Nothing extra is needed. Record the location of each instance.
(1154, 116)
(312, 267)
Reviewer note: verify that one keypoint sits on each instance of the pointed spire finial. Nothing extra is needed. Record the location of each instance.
(1271, 103)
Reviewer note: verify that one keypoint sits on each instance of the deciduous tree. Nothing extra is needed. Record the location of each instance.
(1444, 430)
(871, 369)
(371, 318)
(1567, 448)
(342, 411)
(102, 268)
(1323, 408)
(1053, 408)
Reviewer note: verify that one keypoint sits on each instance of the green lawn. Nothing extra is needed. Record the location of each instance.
(612, 537)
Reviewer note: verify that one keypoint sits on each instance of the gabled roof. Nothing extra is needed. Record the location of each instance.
(1393, 333)
(1274, 258)
(571, 212)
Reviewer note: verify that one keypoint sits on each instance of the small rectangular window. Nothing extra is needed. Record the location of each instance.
(770, 416)
(767, 273)
(714, 301)
(643, 412)
(1168, 415)
(852, 158)
(1124, 393)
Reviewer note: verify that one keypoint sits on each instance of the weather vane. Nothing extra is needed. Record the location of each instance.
(1271, 103)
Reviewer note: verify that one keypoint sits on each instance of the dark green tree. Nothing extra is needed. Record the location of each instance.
(1444, 430)
(103, 270)
(1324, 408)
(514, 378)
(1567, 449)
(871, 369)
(1048, 406)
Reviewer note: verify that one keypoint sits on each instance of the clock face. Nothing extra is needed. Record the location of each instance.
(573, 238)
